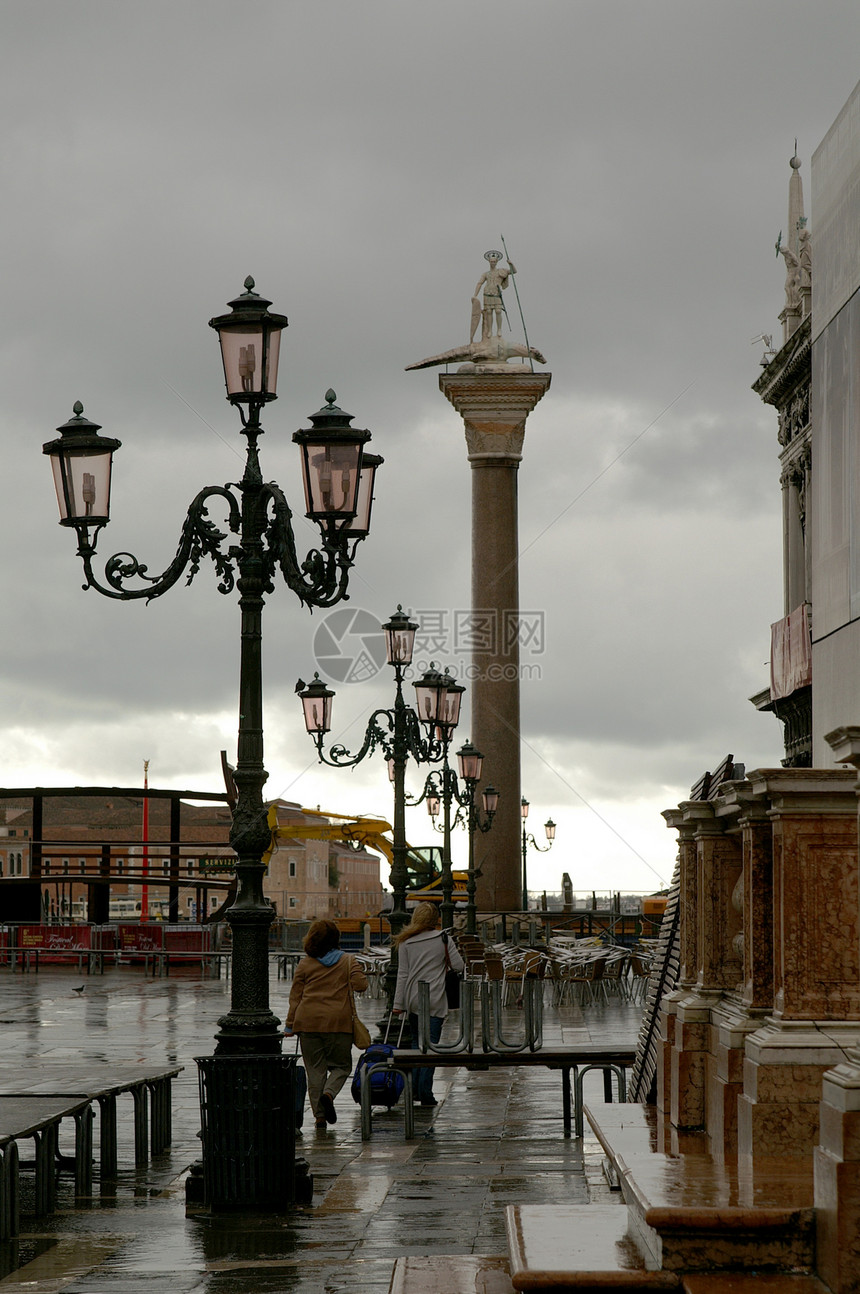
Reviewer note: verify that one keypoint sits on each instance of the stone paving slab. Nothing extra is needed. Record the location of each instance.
(495, 1138)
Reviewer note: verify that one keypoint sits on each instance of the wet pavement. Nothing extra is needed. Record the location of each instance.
(495, 1138)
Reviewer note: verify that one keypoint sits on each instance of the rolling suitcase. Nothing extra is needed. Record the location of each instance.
(386, 1086)
(301, 1088)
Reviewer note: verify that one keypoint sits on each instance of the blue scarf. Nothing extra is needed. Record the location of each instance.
(331, 958)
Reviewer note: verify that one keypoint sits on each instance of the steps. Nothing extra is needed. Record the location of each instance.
(752, 1283)
(578, 1247)
(451, 1274)
(690, 1224)
(691, 1213)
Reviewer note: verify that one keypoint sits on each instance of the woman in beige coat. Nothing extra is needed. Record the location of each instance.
(320, 1012)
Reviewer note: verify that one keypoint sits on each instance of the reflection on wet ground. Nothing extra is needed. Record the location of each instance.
(494, 1139)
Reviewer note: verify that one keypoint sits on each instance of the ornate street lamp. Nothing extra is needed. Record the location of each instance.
(256, 545)
(439, 700)
(528, 839)
(441, 790)
(398, 733)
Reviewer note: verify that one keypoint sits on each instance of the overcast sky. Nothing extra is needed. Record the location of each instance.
(358, 159)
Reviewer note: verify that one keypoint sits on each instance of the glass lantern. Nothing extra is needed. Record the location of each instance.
(82, 461)
(250, 338)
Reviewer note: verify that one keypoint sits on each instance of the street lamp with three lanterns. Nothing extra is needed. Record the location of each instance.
(422, 733)
(441, 789)
(528, 839)
(257, 544)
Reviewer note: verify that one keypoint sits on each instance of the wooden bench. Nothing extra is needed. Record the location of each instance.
(86, 959)
(160, 959)
(149, 1087)
(579, 1059)
(39, 1118)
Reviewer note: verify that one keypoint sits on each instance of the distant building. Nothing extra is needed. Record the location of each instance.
(81, 835)
(310, 878)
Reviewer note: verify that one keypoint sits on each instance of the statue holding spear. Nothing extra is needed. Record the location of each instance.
(493, 281)
(492, 352)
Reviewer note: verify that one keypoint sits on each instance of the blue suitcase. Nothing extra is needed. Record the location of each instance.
(386, 1086)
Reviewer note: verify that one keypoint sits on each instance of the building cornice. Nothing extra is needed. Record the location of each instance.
(790, 367)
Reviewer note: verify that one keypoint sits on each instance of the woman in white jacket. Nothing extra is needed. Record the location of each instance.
(421, 955)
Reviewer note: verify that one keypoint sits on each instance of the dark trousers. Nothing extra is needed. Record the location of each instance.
(422, 1078)
(328, 1064)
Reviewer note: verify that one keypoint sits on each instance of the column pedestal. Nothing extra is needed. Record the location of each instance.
(689, 1058)
(778, 1112)
(837, 1179)
(731, 1025)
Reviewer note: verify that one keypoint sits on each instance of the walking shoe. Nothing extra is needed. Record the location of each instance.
(320, 1124)
(327, 1106)
(429, 1100)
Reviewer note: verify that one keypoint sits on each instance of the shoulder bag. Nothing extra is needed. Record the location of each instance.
(452, 978)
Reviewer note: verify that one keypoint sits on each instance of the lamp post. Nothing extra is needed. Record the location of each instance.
(440, 785)
(528, 839)
(338, 479)
(471, 761)
(440, 791)
(398, 733)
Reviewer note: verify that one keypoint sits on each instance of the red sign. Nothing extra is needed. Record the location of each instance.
(140, 939)
(59, 938)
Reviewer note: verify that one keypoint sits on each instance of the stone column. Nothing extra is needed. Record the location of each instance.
(494, 407)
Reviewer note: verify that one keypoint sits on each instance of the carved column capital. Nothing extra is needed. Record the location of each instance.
(494, 408)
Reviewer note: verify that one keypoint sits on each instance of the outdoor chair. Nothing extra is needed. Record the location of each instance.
(585, 980)
(615, 971)
(640, 975)
(529, 963)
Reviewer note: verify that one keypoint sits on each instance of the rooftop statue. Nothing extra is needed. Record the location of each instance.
(492, 352)
(797, 254)
(792, 278)
(804, 253)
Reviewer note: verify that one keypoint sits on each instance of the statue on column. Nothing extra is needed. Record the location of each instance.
(494, 281)
(492, 352)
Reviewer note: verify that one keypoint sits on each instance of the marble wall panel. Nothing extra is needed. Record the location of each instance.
(816, 937)
(719, 861)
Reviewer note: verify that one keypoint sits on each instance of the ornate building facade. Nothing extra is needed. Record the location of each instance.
(785, 383)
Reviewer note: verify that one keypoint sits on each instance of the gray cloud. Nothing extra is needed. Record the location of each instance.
(358, 160)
